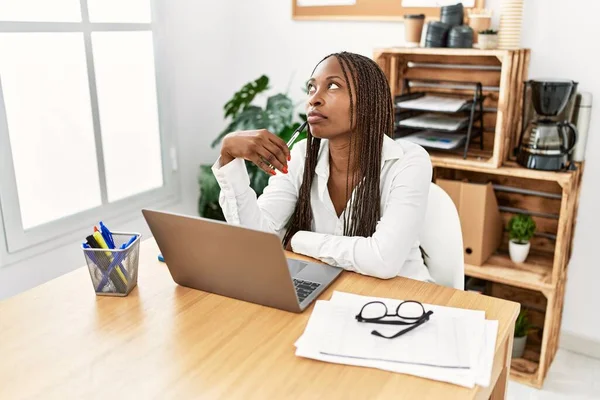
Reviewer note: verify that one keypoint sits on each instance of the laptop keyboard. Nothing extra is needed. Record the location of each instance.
(304, 288)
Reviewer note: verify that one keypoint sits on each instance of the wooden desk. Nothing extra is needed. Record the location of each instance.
(61, 341)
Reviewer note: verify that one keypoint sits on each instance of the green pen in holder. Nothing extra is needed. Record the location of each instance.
(114, 272)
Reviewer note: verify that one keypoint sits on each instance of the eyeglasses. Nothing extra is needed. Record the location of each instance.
(410, 312)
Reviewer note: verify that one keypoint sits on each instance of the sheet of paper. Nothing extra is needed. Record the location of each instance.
(471, 320)
(433, 103)
(453, 376)
(317, 329)
(436, 140)
(316, 3)
(435, 121)
(439, 342)
(486, 359)
(436, 3)
(482, 341)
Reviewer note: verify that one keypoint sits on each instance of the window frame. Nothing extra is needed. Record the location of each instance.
(16, 238)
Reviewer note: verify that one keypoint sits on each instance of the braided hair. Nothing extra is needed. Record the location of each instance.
(371, 117)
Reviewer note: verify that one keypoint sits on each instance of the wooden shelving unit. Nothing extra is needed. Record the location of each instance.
(539, 283)
(550, 197)
(500, 72)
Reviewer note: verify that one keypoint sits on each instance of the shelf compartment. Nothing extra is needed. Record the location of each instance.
(535, 274)
(408, 101)
(435, 122)
(501, 73)
(525, 371)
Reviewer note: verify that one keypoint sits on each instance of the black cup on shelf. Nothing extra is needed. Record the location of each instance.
(437, 34)
(460, 37)
(452, 15)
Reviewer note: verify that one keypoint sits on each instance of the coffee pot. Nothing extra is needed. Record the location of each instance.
(547, 140)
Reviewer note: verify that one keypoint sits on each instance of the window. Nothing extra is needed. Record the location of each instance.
(80, 128)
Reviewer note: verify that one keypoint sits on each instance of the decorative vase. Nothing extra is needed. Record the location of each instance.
(519, 346)
(487, 41)
(518, 251)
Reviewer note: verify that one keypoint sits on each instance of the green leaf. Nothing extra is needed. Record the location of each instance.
(521, 228)
(280, 110)
(242, 98)
(208, 202)
(522, 324)
(252, 117)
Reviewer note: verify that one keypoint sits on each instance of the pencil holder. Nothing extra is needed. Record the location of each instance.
(114, 272)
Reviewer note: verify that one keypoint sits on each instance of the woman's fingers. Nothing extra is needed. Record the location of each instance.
(280, 156)
(260, 163)
(271, 159)
(276, 140)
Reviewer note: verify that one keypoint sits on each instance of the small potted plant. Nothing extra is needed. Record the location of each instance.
(520, 229)
(522, 329)
(488, 39)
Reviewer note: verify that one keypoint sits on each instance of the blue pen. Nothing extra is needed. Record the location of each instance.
(117, 260)
(92, 256)
(117, 263)
(107, 235)
(161, 258)
(126, 245)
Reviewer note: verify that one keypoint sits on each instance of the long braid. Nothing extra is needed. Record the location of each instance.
(371, 116)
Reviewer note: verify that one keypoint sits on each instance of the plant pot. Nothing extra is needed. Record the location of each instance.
(479, 23)
(518, 251)
(487, 41)
(519, 347)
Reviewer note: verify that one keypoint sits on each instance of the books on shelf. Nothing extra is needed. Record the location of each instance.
(437, 140)
(433, 103)
(436, 121)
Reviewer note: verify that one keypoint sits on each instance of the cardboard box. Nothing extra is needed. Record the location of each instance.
(480, 218)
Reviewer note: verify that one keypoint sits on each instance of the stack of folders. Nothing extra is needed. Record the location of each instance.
(455, 345)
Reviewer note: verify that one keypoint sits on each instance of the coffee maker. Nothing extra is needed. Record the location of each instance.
(548, 136)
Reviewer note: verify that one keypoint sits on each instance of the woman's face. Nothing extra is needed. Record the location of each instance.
(328, 105)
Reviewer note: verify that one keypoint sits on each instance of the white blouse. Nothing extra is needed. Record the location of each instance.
(393, 250)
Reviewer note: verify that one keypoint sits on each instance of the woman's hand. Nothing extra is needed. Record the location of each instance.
(260, 147)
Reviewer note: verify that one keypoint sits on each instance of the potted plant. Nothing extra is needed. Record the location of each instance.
(277, 116)
(487, 39)
(522, 329)
(520, 229)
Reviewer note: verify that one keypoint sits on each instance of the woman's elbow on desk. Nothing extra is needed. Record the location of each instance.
(372, 260)
(381, 270)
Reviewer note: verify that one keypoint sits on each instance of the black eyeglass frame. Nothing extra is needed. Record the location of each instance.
(414, 322)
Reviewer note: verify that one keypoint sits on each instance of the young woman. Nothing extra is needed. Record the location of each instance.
(348, 195)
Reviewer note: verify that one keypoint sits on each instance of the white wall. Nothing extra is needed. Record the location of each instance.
(560, 35)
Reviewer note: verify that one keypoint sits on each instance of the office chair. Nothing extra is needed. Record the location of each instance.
(441, 239)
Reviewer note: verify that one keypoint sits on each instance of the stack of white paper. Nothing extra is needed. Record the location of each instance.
(436, 140)
(436, 121)
(454, 346)
(433, 103)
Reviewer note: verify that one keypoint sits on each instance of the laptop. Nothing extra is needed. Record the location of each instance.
(236, 262)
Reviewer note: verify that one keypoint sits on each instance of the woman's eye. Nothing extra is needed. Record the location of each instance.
(310, 88)
(333, 85)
